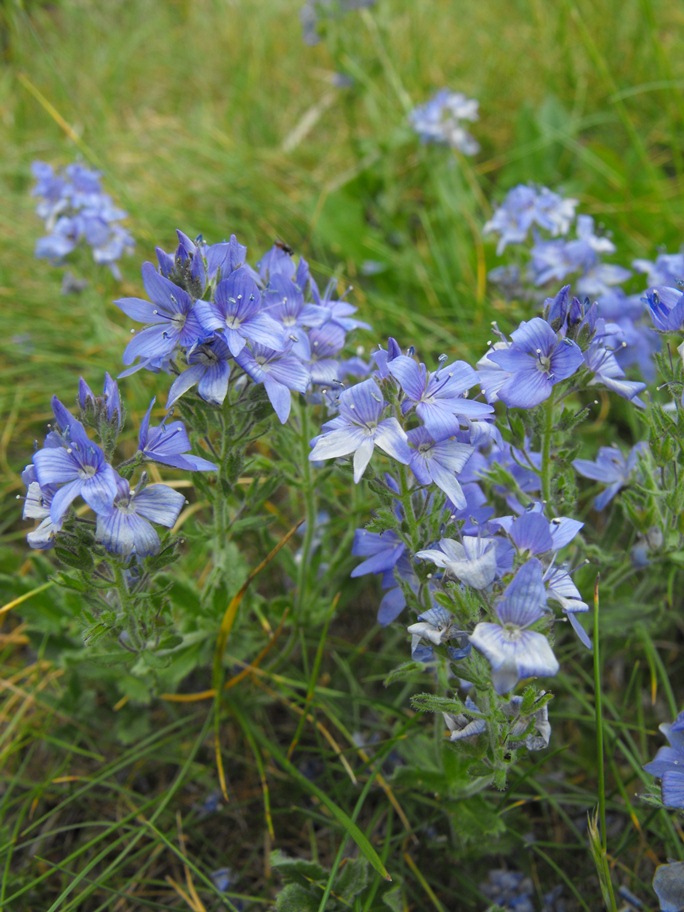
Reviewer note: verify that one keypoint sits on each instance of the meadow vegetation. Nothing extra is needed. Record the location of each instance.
(276, 751)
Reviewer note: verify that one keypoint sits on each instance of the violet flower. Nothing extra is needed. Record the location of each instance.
(536, 360)
(168, 444)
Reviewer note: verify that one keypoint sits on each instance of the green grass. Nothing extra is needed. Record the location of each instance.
(215, 118)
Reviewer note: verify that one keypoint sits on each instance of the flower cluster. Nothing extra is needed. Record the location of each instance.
(512, 890)
(497, 582)
(440, 120)
(75, 210)
(541, 353)
(211, 317)
(70, 465)
(564, 245)
(526, 207)
(447, 441)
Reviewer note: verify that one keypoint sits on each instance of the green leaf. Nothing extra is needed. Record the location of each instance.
(80, 559)
(352, 879)
(394, 899)
(295, 898)
(296, 869)
(402, 672)
(70, 582)
(135, 688)
(426, 702)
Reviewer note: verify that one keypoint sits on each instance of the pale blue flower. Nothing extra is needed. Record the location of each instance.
(668, 884)
(124, 527)
(473, 560)
(514, 651)
(612, 468)
(535, 361)
(526, 206)
(359, 428)
(439, 121)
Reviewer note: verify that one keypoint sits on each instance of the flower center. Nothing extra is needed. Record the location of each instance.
(511, 632)
(543, 362)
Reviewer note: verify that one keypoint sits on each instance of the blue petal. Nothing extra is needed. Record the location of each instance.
(159, 503)
(525, 597)
(673, 788)
(668, 884)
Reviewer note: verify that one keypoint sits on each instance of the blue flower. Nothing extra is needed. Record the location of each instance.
(437, 626)
(557, 259)
(513, 651)
(75, 209)
(668, 765)
(315, 10)
(168, 444)
(340, 311)
(510, 890)
(532, 533)
(326, 342)
(611, 468)
(37, 504)
(170, 315)
(668, 269)
(525, 206)
(51, 188)
(280, 371)
(382, 551)
(666, 306)
(359, 428)
(236, 314)
(668, 884)
(124, 527)
(438, 462)
(465, 725)
(224, 258)
(284, 301)
(208, 369)
(75, 464)
(602, 362)
(473, 560)
(439, 121)
(562, 589)
(535, 361)
(439, 396)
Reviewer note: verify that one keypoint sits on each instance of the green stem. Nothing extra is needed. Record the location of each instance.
(131, 622)
(407, 505)
(547, 438)
(310, 509)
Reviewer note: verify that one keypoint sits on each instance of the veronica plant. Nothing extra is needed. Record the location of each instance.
(76, 211)
(486, 586)
(548, 241)
(109, 546)
(238, 343)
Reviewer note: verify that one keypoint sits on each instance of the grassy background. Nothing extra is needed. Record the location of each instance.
(215, 118)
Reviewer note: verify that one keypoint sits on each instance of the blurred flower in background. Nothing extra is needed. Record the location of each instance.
(76, 211)
(439, 121)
